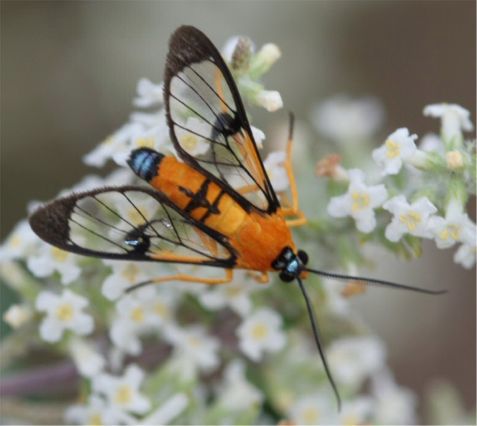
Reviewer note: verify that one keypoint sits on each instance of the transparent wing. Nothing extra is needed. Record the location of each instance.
(208, 123)
(129, 223)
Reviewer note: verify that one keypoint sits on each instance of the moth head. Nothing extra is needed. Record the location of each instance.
(290, 264)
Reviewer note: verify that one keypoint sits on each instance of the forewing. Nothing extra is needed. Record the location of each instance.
(208, 123)
(129, 223)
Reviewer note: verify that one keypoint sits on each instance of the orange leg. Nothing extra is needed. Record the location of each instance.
(229, 274)
(193, 279)
(261, 277)
(294, 210)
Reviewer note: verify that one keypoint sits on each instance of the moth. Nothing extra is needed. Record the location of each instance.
(214, 208)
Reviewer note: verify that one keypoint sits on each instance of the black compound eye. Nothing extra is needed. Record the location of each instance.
(303, 256)
(286, 277)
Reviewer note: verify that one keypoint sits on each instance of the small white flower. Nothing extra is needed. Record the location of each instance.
(275, 168)
(194, 141)
(356, 412)
(394, 405)
(124, 275)
(141, 312)
(343, 119)
(114, 144)
(123, 392)
(454, 119)
(353, 359)
(359, 202)
(193, 345)
(467, 252)
(64, 312)
(17, 315)
(148, 94)
(236, 393)
(51, 259)
(97, 412)
(20, 242)
(235, 295)
(143, 130)
(261, 332)
(465, 255)
(271, 100)
(398, 148)
(456, 226)
(87, 360)
(168, 410)
(315, 409)
(408, 218)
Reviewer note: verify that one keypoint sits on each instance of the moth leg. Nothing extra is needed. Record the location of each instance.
(186, 278)
(198, 280)
(261, 277)
(299, 220)
(294, 210)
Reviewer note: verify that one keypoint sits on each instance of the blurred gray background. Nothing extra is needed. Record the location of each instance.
(69, 71)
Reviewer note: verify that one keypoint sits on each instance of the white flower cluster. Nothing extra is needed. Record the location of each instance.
(413, 212)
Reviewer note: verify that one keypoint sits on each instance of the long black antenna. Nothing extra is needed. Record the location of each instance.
(375, 281)
(316, 334)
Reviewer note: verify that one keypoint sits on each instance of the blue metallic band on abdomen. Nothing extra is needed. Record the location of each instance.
(144, 162)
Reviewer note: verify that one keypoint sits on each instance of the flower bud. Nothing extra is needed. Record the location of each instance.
(271, 100)
(454, 160)
(17, 315)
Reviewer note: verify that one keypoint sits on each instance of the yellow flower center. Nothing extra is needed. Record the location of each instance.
(58, 254)
(95, 420)
(145, 143)
(450, 231)
(259, 331)
(123, 395)
(161, 310)
(16, 241)
(194, 341)
(130, 273)
(360, 201)
(137, 314)
(65, 312)
(393, 149)
(350, 420)
(233, 291)
(108, 141)
(189, 142)
(311, 415)
(411, 220)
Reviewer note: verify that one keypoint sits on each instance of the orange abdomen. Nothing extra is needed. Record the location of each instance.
(258, 238)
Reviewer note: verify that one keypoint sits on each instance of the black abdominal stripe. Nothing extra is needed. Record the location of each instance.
(144, 162)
